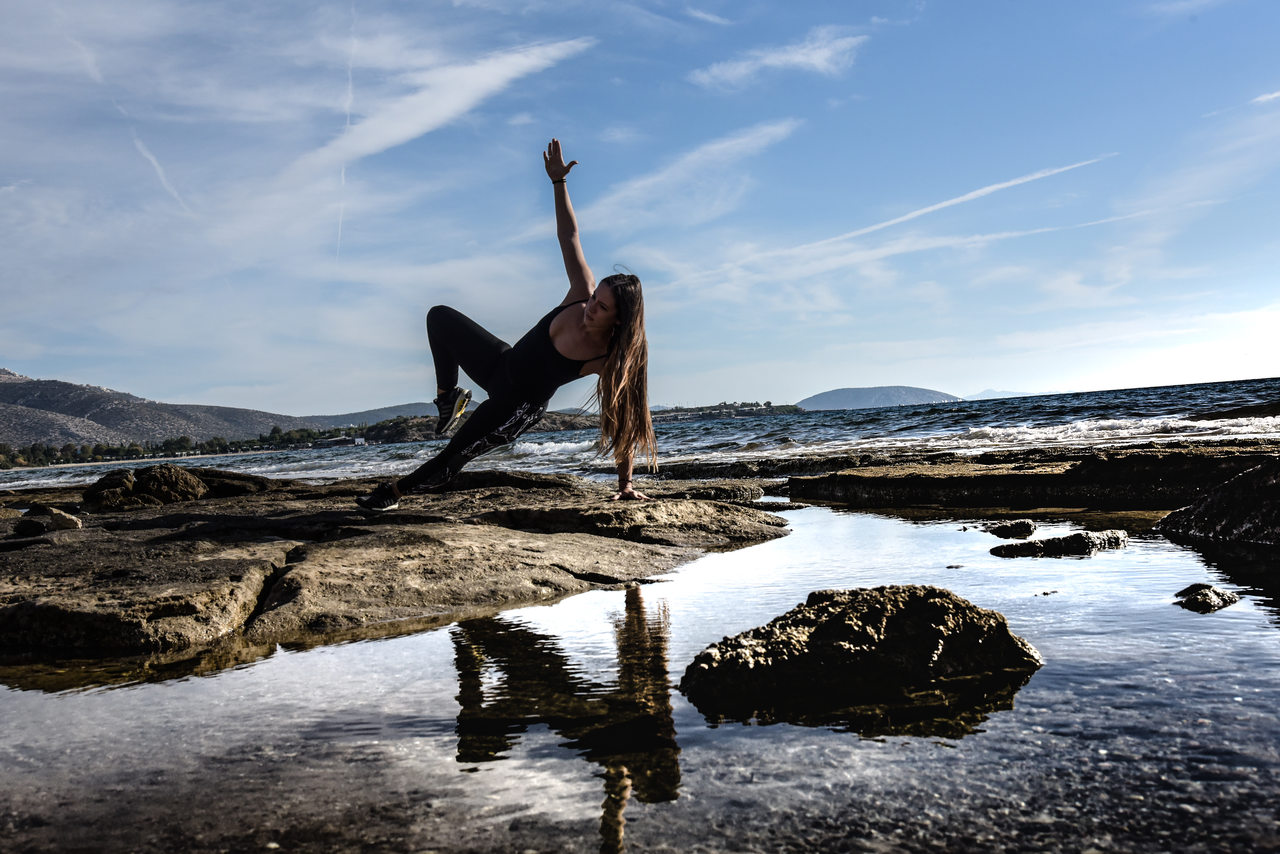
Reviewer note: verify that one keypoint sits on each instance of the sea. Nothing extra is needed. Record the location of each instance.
(561, 727)
(1118, 417)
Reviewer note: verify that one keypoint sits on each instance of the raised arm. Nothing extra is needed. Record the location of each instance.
(581, 282)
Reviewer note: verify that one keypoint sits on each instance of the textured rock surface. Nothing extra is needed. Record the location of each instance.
(874, 657)
(1243, 511)
(1016, 529)
(275, 561)
(1205, 598)
(1079, 544)
(1157, 477)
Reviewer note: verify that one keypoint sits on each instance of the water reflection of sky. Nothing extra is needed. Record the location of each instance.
(544, 722)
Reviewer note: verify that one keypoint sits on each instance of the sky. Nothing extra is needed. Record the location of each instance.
(254, 204)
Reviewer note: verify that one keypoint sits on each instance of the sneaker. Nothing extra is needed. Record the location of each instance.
(382, 498)
(451, 405)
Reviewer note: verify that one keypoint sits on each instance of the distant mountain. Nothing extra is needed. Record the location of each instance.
(56, 413)
(992, 394)
(369, 416)
(870, 398)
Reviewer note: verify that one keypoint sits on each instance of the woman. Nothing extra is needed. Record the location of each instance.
(596, 329)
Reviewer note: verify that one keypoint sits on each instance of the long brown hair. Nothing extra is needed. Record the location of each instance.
(622, 392)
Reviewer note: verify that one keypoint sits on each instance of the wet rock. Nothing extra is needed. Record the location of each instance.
(1079, 544)
(103, 596)
(288, 561)
(1205, 598)
(704, 524)
(884, 655)
(1243, 511)
(1156, 478)
(1017, 529)
(439, 575)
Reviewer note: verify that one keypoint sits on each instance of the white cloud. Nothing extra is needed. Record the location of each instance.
(1263, 99)
(159, 170)
(826, 50)
(1184, 7)
(699, 15)
(698, 187)
(443, 94)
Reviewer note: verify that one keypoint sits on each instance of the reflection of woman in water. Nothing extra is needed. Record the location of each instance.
(598, 328)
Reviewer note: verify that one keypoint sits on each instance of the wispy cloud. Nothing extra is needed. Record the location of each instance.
(1263, 99)
(443, 94)
(697, 187)
(700, 15)
(959, 200)
(827, 50)
(1183, 7)
(159, 170)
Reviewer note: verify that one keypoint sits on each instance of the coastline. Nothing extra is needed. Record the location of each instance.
(244, 550)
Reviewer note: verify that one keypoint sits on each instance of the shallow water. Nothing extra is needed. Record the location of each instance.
(557, 727)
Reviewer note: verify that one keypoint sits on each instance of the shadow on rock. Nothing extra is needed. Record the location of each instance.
(896, 660)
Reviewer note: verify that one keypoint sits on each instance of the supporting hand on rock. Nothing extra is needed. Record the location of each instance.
(629, 493)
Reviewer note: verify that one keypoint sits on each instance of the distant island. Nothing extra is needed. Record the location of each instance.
(875, 396)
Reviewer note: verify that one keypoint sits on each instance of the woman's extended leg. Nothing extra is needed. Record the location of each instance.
(493, 424)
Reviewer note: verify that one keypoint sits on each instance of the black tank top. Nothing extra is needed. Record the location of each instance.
(535, 368)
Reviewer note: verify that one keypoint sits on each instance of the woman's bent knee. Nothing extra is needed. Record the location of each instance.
(439, 313)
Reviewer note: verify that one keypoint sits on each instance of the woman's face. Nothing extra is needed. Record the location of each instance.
(602, 308)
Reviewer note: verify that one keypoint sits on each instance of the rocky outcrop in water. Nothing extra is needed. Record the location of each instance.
(1016, 529)
(1079, 544)
(1244, 511)
(1205, 598)
(876, 659)
(190, 558)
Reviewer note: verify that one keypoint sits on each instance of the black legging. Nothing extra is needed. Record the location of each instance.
(457, 341)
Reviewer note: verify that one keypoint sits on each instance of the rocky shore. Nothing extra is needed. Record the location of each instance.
(201, 569)
(205, 569)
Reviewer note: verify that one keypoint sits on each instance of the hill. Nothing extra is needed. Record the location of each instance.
(54, 412)
(873, 397)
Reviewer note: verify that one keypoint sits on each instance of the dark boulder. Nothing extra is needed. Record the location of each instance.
(1205, 598)
(1016, 529)
(149, 487)
(112, 491)
(876, 659)
(169, 484)
(29, 527)
(1243, 511)
(1079, 544)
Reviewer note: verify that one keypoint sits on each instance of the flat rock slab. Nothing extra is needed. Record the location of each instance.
(882, 659)
(1154, 477)
(271, 561)
(1079, 544)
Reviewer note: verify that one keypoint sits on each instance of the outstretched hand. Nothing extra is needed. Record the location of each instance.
(553, 159)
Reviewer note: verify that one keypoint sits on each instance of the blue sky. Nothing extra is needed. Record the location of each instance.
(253, 204)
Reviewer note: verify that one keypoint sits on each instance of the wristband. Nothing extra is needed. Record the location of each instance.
(554, 181)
